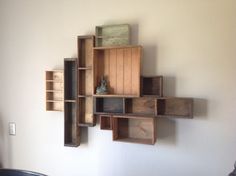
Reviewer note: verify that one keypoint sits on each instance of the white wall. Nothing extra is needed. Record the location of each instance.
(191, 42)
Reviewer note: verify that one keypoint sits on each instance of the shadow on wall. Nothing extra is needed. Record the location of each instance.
(166, 127)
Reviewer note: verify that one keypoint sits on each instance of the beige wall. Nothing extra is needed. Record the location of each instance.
(191, 42)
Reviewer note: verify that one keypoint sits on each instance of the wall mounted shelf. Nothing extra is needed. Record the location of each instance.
(85, 80)
(131, 105)
(71, 129)
(54, 90)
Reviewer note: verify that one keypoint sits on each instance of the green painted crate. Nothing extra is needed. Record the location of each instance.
(112, 35)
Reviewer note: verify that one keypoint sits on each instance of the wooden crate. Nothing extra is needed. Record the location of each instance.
(105, 122)
(71, 128)
(108, 105)
(152, 86)
(120, 67)
(54, 90)
(112, 35)
(134, 129)
(175, 107)
(143, 106)
(85, 80)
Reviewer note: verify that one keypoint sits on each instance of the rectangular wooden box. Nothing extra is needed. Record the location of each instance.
(143, 106)
(105, 122)
(85, 80)
(71, 128)
(54, 90)
(112, 35)
(134, 129)
(152, 86)
(108, 105)
(175, 107)
(121, 69)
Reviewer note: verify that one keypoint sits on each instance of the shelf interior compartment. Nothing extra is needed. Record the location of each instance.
(72, 133)
(85, 51)
(140, 106)
(56, 86)
(121, 69)
(137, 130)
(86, 111)
(109, 105)
(70, 79)
(105, 122)
(54, 75)
(85, 83)
(175, 107)
(152, 86)
(54, 106)
(57, 96)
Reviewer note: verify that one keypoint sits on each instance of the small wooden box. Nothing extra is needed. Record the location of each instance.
(54, 90)
(142, 106)
(105, 122)
(175, 107)
(152, 86)
(134, 129)
(112, 35)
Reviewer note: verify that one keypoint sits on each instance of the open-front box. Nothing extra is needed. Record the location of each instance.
(175, 107)
(120, 66)
(85, 80)
(134, 129)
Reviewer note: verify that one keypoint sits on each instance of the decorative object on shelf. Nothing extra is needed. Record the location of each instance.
(102, 89)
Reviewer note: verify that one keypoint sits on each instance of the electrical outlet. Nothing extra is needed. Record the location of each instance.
(12, 128)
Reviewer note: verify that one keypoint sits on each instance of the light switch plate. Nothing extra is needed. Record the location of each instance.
(12, 128)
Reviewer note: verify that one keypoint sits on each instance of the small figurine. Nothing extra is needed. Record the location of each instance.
(234, 171)
(102, 89)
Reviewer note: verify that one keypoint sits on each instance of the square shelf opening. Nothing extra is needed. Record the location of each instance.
(121, 69)
(152, 86)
